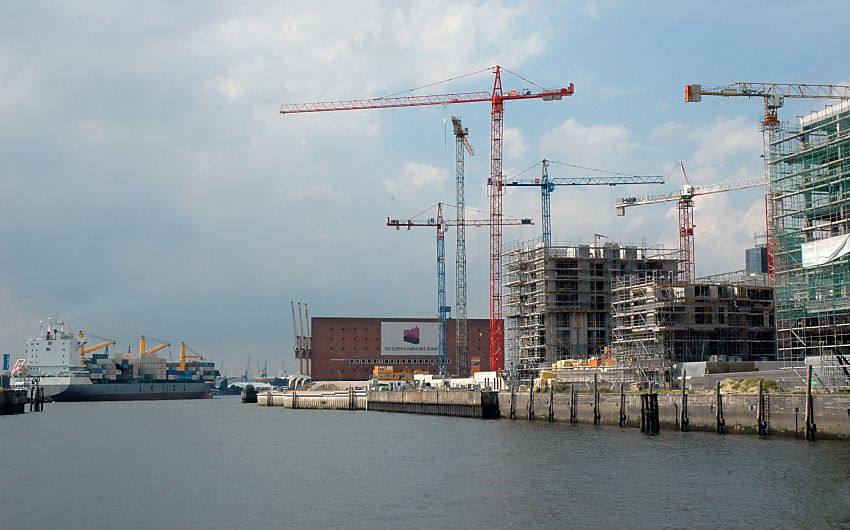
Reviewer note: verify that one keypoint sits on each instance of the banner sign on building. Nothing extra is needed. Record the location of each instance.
(409, 338)
(822, 251)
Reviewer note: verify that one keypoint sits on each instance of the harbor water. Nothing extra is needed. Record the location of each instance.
(221, 464)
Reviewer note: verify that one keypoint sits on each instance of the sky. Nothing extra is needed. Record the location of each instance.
(148, 184)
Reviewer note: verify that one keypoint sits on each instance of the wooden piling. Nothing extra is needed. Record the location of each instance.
(531, 401)
(551, 416)
(811, 428)
(761, 421)
(720, 423)
(622, 405)
(596, 415)
(573, 404)
(684, 420)
(512, 413)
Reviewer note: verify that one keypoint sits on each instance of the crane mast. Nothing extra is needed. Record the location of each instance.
(442, 308)
(497, 99)
(461, 324)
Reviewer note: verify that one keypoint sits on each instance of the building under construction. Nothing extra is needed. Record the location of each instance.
(558, 298)
(810, 189)
(724, 317)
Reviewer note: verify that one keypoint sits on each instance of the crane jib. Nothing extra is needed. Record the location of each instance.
(415, 101)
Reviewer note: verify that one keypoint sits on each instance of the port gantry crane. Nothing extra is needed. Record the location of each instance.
(685, 200)
(462, 146)
(441, 225)
(497, 98)
(547, 186)
(774, 95)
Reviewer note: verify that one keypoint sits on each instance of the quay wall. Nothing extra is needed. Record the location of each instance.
(12, 401)
(305, 399)
(786, 411)
(463, 403)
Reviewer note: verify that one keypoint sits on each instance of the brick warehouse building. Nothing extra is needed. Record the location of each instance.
(349, 348)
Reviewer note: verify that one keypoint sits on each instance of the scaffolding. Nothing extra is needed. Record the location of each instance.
(558, 300)
(724, 317)
(810, 191)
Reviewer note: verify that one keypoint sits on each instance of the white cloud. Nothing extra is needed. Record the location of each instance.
(719, 151)
(320, 192)
(414, 177)
(600, 146)
(515, 146)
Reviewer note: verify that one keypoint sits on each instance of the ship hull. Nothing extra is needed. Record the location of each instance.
(133, 391)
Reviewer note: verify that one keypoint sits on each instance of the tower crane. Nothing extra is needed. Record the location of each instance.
(547, 186)
(441, 225)
(85, 350)
(461, 325)
(774, 95)
(497, 98)
(685, 200)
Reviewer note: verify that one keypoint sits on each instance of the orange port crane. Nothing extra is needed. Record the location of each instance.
(497, 98)
(442, 309)
(685, 200)
(774, 95)
(184, 356)
(85, 350)
(143, 351)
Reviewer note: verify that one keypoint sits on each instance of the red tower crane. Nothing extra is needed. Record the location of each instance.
(497, 99)
(685, 200)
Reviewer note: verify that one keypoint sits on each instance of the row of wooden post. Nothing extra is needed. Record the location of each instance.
(649, 408)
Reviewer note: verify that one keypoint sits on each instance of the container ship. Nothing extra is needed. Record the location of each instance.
(62, 362)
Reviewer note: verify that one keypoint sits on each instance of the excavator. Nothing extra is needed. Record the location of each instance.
(85, 350)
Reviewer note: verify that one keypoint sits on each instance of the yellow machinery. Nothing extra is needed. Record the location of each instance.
(85, 350)
(144, 352)
(388, 373)
(184, 356)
